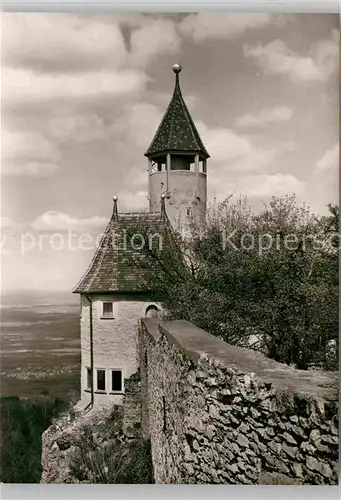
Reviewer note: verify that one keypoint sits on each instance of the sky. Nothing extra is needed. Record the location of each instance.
(83, 94)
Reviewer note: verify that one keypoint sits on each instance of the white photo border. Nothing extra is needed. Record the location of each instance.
(149, 492)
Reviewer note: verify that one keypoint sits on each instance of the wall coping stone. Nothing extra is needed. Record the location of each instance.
(196, 343)
(152, 327)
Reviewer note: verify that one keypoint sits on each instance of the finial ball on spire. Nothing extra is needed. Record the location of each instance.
(176, 68)
(163, 196)
(115, 198)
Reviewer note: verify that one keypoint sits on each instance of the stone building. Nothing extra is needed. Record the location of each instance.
(177, 161)
(113, 296)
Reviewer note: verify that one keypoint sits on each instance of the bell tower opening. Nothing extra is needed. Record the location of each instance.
(181, 162)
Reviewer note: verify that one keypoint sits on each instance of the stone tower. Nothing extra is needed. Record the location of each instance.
(113, 293)
(177, 164)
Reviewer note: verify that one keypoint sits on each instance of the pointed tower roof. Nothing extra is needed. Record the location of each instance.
(177, 131)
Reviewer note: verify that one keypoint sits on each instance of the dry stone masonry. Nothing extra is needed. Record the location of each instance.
(217, 413)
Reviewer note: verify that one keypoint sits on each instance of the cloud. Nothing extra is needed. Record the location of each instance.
(140, 121)
(227, 147)
(59, 221)
(234, 151)
(43, 269)
(26, 85)
(329, 162)
(239, 164)
(30, 168)
(326, 53)
(77, 127)
(28, 144)
(231, 151)
(77, 56)
(8, 230)
(206, 25)
(6, 225)
(326, 179)
(85, 43)
(154, 38)
(61, 42)
(129, 201)
(27, 153)
(266, 117)
(263, 185)
(276, 57)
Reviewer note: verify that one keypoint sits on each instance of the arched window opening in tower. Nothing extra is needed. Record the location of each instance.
(151, 311)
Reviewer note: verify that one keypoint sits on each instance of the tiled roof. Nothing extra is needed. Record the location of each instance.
(177, 131)
(114, 265)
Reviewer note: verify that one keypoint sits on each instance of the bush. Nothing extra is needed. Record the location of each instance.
(138, 468)
(22, 423)
(285, 296)
(113, 462)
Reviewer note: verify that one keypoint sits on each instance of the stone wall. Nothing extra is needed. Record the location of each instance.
(132, 406)
(216, 413)
(186, 190)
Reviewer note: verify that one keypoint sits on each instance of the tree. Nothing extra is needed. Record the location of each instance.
(270, 278)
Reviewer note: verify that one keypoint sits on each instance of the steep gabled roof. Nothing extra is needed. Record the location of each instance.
(113, 267)
(177, 131)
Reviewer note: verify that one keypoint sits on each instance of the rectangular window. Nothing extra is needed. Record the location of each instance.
(116, 381)
(101, 380)
(88, 378)
(108, 310)
(189, 212)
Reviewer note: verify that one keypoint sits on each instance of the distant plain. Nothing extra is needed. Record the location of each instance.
(40, 344)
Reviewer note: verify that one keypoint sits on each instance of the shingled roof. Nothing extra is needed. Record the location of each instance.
(177, 131)
(113, 267)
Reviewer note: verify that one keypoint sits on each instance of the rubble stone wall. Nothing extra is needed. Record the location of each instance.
(217, 413)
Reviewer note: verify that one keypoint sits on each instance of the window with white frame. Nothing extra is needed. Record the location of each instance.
(107, 310)
(116, 381)
(100, 383)
(188, 212)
